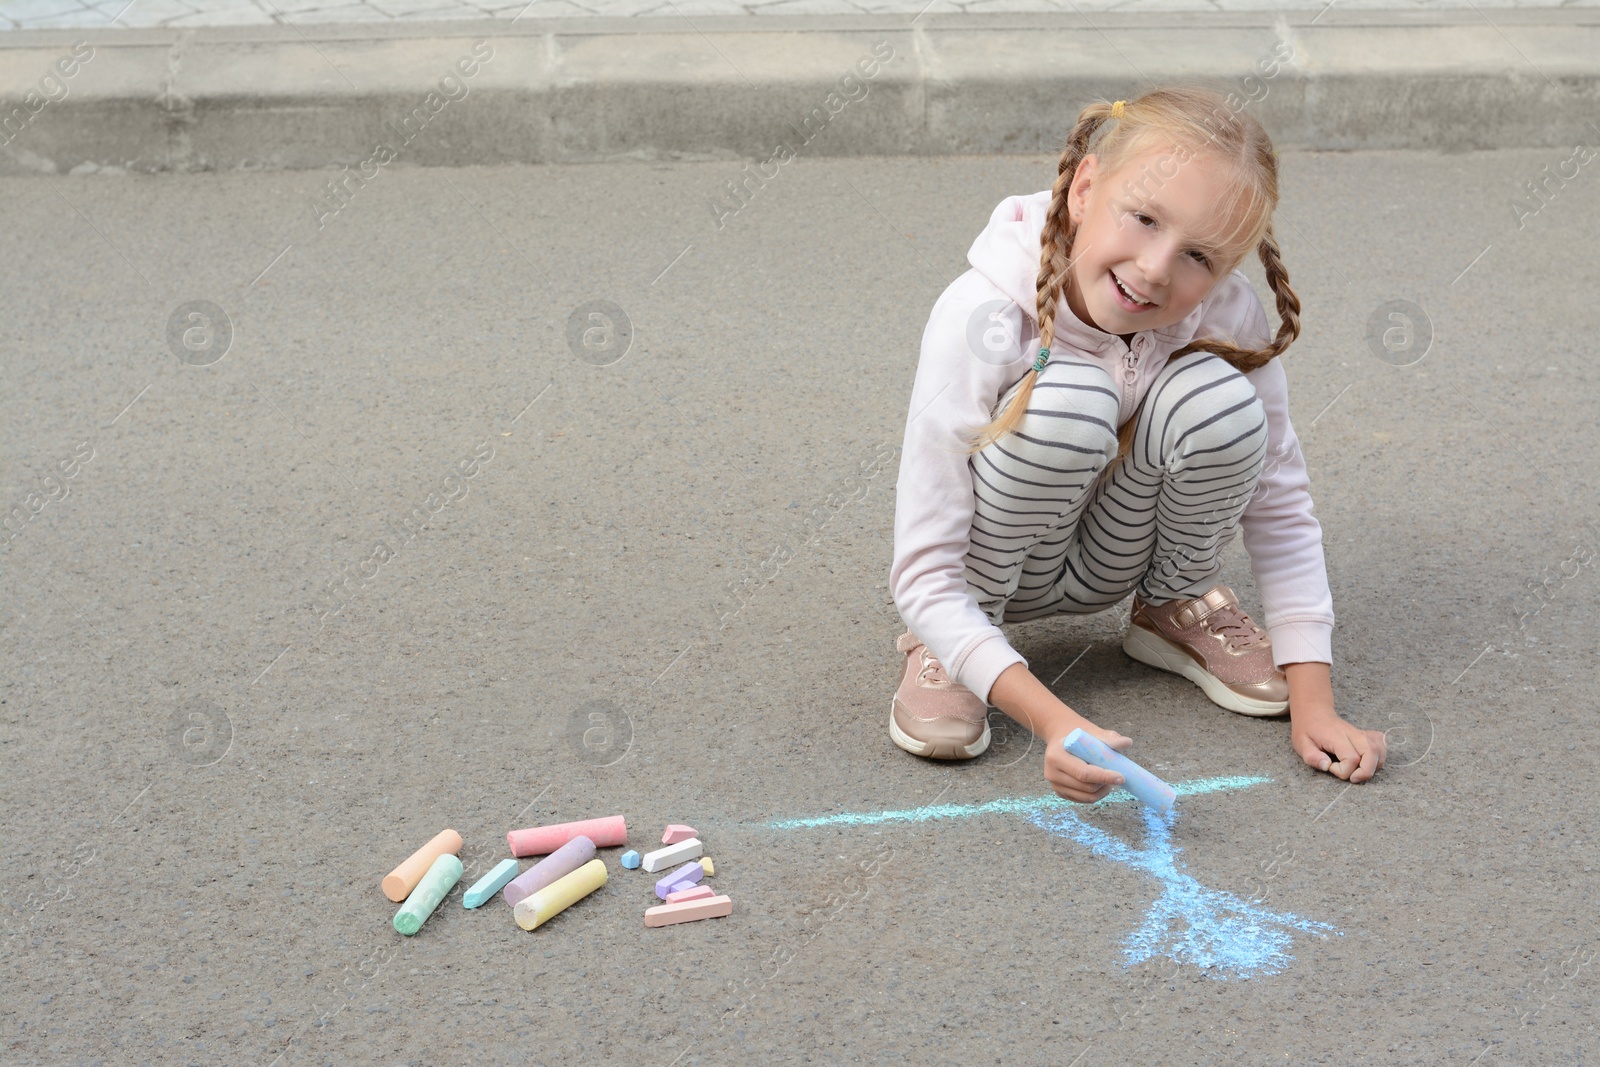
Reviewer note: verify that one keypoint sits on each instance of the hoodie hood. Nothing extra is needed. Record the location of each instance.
(1007, 253)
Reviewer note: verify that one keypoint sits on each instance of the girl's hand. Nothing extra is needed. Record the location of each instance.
(1359, 752)
(1316, 730)
(1074, 779)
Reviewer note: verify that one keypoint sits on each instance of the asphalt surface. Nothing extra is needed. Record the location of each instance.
(662, 592)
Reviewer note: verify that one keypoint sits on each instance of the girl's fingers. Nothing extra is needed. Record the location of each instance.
(1078, 781)
(1071, 768)
(1371, 760)
(1084, 792)
(1311, 753)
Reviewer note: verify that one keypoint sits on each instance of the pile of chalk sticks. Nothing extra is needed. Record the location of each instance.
(569, 872)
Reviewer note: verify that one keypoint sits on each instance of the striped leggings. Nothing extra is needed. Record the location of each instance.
(1049, 536)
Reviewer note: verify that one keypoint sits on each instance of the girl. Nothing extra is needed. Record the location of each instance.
(1142, 415)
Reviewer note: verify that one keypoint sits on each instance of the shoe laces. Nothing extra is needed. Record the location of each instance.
(931, 667)
(1233, 624)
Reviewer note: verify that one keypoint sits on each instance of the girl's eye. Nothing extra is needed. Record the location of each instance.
(1200, 257)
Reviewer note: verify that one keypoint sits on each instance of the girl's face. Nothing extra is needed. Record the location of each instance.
(1151, 227)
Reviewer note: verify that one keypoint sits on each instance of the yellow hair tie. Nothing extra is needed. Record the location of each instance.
(1116, 109)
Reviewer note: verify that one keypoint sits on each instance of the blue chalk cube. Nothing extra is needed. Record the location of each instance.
(630, 860)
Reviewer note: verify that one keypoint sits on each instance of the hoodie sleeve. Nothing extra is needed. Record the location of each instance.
(955, 394)
(1281, 535)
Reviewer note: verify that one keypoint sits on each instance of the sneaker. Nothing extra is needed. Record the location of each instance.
(932, 715)
(1215, 645)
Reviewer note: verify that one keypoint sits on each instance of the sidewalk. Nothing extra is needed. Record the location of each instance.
(98, 14)
(486, 90)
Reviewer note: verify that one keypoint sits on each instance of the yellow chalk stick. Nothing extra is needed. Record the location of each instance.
(560, 895)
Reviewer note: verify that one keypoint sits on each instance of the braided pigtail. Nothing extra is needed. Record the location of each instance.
(1249, 359)
(1055, 249)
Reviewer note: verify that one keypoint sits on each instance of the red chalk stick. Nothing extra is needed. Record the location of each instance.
(542, 840)
(678, 832)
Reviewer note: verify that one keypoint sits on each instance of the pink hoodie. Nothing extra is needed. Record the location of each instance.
(956, 392)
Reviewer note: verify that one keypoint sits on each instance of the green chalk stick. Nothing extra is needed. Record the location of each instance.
(440, 879)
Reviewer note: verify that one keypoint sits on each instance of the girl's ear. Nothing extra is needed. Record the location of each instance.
(1078, 191)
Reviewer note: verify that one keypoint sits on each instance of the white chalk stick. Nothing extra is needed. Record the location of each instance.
(666, 857)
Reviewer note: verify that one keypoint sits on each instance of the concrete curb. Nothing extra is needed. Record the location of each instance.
(586, 90)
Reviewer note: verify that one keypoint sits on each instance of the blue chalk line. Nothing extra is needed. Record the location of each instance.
(1009, 806)
(1224, 934)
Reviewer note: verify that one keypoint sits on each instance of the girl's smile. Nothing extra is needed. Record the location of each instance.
(1129, 297)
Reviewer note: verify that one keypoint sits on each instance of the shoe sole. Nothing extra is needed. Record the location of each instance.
(1157, 651)
(929, 750)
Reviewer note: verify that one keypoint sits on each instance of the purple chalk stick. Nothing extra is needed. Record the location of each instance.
(560, 863)
(682, 878)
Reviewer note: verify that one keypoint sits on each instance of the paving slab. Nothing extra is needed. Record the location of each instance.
(137, 14)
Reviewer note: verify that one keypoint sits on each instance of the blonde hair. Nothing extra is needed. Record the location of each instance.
(1200, 120)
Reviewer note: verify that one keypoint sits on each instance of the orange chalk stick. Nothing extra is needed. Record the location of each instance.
(688, 911)
(398, 883)
(543, 840)
(694, 892)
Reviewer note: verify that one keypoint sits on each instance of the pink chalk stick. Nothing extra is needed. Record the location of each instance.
(678, 832)
(541, 840)
(560, 863)
(689, 874)
(694, 892)
(688, 911)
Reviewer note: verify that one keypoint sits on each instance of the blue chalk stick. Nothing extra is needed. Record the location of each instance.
(490, 884)
(1136, 780)
(631, 860)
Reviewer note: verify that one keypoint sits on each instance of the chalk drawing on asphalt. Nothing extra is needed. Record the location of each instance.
(1227, 936)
